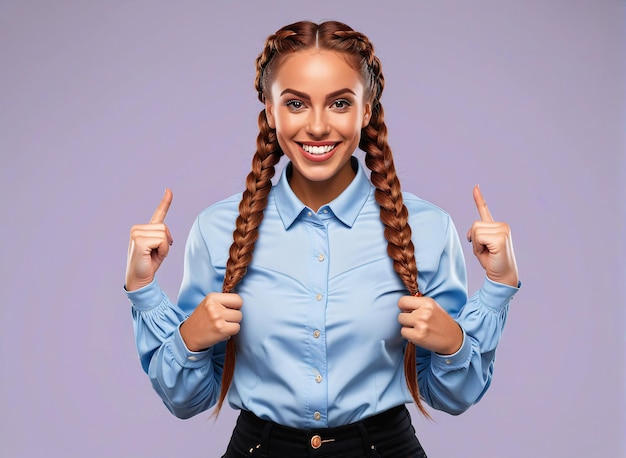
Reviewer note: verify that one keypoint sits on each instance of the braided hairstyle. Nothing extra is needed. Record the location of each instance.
(338, 37)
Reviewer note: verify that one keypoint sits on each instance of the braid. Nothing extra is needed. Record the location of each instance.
(258, 185)
(393, 213)
(251, 207)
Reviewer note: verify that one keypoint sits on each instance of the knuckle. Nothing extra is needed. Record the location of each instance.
(213, 314)
(211, 311)
(421, 327)
(220, 327)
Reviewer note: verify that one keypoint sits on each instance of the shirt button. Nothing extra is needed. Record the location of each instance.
(318, 297)
(317, 416)
(325, 210)
(318, 379)
(320, 258)
(448, 361)
(192, 358)
(317, 334)
(309, 214)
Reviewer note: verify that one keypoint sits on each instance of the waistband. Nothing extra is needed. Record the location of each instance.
(365, 432)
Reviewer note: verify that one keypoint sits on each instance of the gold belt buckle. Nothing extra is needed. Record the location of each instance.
(317, 442)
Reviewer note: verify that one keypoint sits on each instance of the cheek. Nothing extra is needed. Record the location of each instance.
(349, 126)
(286, 132)
(286, 125)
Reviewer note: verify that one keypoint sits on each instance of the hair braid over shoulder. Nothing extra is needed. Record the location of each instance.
(258, 183)
(251, 207)
(393, 213)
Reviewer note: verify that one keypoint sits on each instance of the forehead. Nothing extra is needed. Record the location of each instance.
(314, 70)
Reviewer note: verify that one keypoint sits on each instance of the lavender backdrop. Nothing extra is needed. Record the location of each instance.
(103, 104)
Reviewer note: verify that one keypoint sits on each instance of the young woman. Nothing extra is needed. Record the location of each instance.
(323, 304)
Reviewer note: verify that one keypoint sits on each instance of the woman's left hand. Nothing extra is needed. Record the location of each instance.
(492, 245)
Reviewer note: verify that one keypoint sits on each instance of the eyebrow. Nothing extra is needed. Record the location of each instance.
(306, 96)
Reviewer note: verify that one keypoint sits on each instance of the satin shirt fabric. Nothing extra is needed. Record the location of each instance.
(320, 343)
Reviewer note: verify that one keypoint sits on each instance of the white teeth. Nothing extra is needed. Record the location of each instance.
(317, 149)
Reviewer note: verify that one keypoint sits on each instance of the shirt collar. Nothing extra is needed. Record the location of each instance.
(346, 206)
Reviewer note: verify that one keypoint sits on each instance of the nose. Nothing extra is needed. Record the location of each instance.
(318, 125)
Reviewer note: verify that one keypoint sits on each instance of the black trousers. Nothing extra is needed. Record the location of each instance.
(388, 434)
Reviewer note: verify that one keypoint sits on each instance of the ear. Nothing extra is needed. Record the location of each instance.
(269, 114)
(367, 115)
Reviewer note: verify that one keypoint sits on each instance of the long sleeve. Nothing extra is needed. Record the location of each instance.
(453, 383)
(187, 382)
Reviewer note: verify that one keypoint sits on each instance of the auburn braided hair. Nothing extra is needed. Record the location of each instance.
(336, 36)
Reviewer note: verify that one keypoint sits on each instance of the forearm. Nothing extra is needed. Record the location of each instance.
(453, 383)
(186, 381)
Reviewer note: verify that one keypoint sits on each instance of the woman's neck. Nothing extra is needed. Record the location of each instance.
(315, 194)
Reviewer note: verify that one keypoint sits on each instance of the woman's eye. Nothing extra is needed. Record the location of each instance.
(294, 104)
(341, 104)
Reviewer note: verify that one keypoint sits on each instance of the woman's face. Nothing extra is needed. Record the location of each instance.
(317, 105)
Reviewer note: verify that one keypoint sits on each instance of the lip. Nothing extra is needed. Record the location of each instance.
(318, 157)
(326, 143)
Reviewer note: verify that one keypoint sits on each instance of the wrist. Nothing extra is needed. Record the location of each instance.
(511, 280)
(133, 283)
(455, 344)
(187, 336)
(132, 286)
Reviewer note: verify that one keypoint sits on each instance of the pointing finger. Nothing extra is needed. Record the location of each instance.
(161, 212)
(481, 205)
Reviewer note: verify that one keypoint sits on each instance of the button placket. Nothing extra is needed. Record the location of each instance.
(318, 282)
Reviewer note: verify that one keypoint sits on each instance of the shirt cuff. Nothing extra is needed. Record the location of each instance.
(457, 360)
(497, 295)
(146, 298)
(186, 357)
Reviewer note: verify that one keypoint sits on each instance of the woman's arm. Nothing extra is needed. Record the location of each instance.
(457, 338)
(185, 368)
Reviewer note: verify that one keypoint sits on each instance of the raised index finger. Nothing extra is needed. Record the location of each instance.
(159, 214)
(481, 205)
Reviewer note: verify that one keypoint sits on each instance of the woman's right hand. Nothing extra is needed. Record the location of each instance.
(148, 247)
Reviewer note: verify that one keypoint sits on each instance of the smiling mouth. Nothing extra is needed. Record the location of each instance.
(318, 150)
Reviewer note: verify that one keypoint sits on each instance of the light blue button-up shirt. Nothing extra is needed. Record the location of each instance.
(320, 343)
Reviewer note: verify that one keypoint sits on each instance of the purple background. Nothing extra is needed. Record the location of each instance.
(104, 104)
